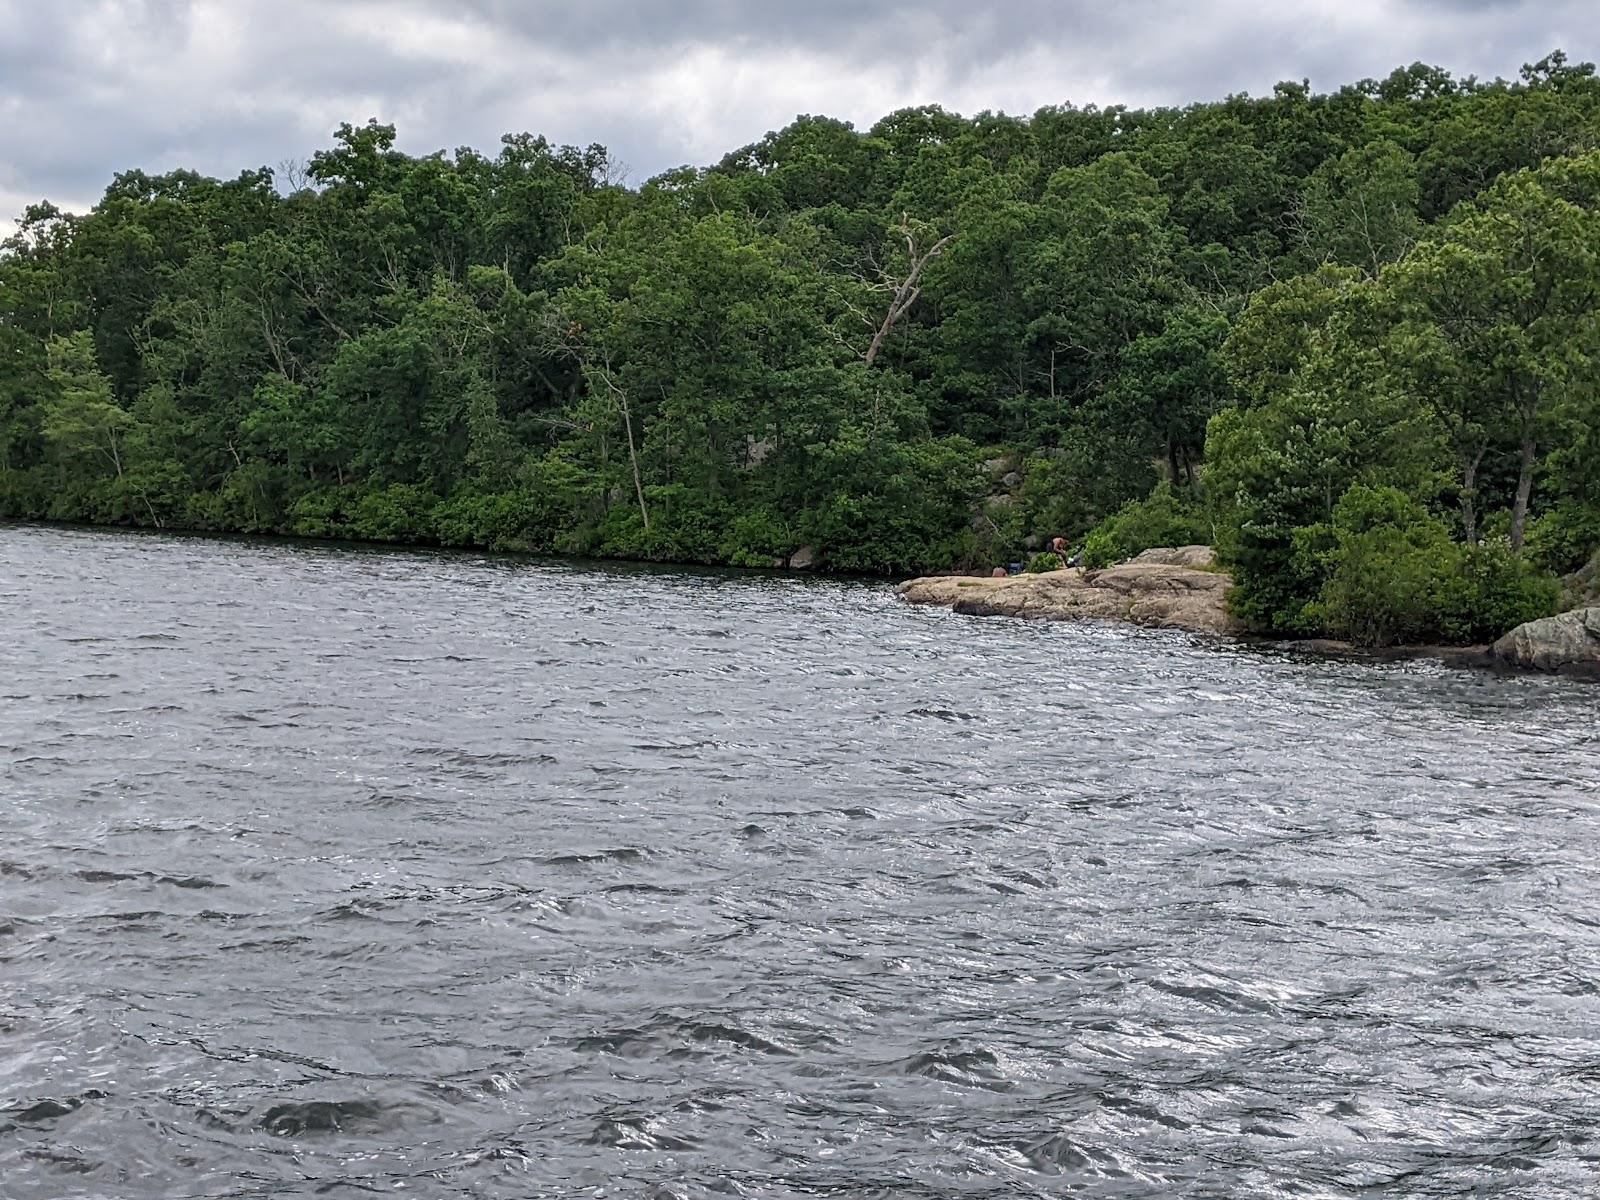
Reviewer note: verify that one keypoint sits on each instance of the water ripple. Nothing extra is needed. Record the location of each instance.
(331, 872)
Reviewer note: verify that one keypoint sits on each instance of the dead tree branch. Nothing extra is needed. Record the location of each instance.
(909, 288)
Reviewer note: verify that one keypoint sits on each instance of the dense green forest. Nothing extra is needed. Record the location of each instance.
(1349, 338)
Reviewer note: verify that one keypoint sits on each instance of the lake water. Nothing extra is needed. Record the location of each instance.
(327, 872)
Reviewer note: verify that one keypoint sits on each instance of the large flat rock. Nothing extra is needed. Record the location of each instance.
(1157, 595)
(1177, 556)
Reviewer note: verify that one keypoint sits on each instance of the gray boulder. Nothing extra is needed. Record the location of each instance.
(1569, 643)
(1582, 588)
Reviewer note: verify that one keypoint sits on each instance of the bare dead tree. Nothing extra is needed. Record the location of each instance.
(908, 289)
(294, 175)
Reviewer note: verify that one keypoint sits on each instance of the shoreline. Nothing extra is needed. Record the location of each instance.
(1479, 658)
(360, 545)
(1462, 658)
(1161, 590)
(1167, 588)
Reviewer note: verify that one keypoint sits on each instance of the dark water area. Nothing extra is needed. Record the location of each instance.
(327, 873)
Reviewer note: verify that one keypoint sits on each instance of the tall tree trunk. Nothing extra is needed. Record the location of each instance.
(1519, 509)
(619, 397)
(1469, 495)
(633, 459)
(1529, 408)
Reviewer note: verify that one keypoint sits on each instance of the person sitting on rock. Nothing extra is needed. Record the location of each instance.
(1059, 547)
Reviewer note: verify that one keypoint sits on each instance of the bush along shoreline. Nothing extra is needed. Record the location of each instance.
(1347, 338)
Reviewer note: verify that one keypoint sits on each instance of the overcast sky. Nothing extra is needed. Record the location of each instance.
(91, 87)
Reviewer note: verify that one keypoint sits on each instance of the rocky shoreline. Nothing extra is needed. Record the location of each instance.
(1158, 595)
(1181, 588)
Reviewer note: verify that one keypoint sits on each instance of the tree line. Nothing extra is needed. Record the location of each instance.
(1348, 337)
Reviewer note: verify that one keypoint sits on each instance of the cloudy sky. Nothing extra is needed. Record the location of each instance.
(90, 87)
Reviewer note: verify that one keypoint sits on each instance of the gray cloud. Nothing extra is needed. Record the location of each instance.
(90, 87)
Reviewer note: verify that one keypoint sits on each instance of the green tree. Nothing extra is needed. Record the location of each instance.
(1502, 314)
(83, 424)
(1360, 209)
(817, 340)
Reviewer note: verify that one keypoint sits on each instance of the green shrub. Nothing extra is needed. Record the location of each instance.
(1044, 562)
(1391, 563)
(204, 510)
(1396, 577)
(1563, 539)
(685, 526)
(254, 498)
(1090, 473)
(755, 538)
(399, 513)
(515, 521)
(1493, 592)
(897, 508)
(1164, 518)
(1385, 588)
(1002, 520)
(1276, 585)
(320, 514)
(24, 493)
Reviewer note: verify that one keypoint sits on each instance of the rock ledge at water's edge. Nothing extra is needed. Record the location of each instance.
(1177, 588)
(1569, 643)
(1168, 589)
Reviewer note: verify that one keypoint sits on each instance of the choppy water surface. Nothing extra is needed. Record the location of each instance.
(332, 873)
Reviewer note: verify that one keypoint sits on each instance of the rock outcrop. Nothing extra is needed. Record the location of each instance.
(1582, 588)
(1568, 643)
(1154, 594)
(1199, 557)
(1180, 588)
